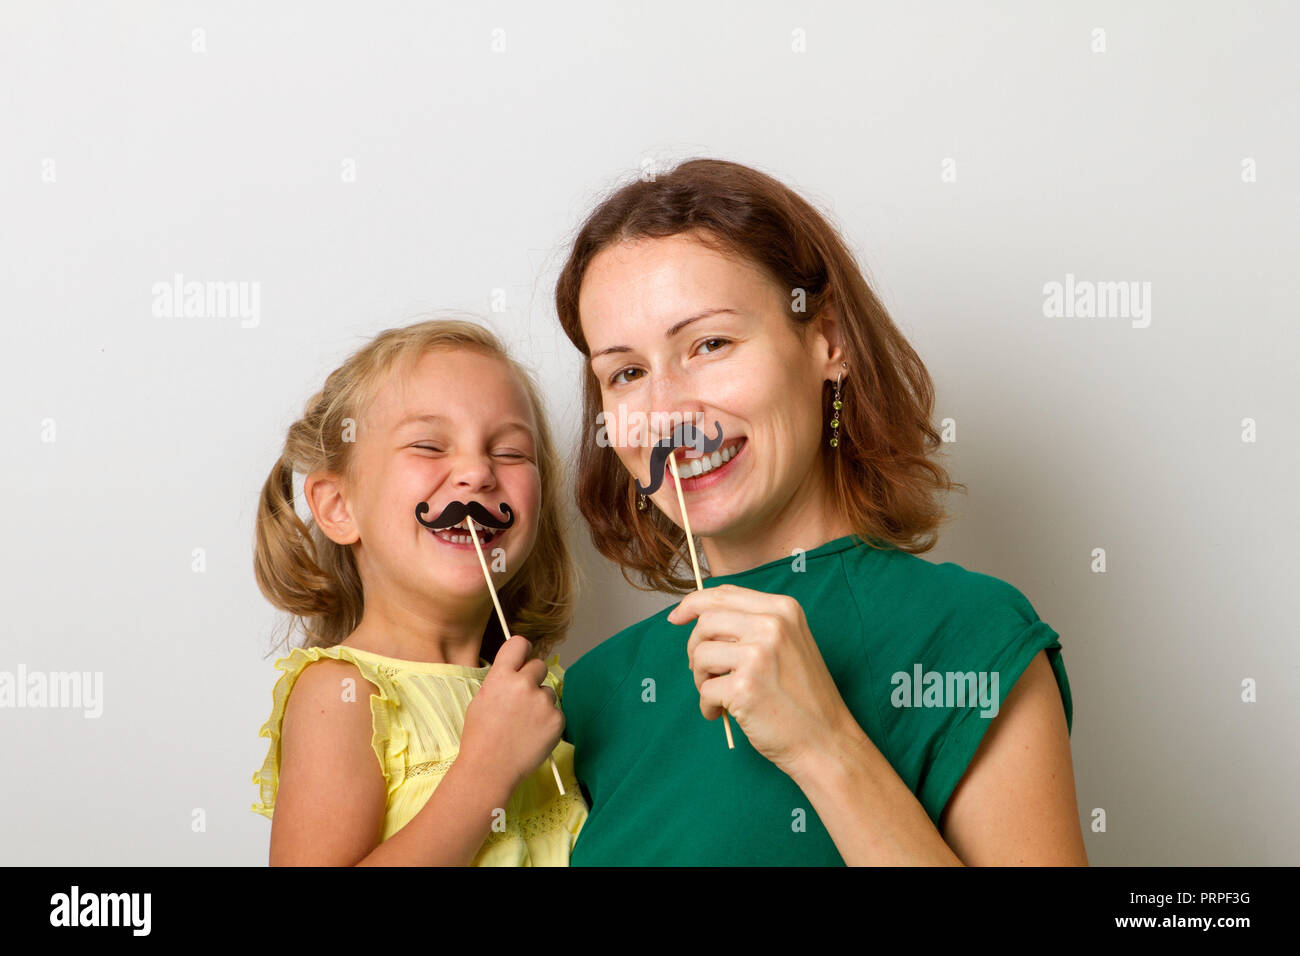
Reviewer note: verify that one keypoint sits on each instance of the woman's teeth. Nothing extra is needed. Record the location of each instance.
(706, 463)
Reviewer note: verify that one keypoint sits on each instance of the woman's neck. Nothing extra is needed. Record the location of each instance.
(806, 522)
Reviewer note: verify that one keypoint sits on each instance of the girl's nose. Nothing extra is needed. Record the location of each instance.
(473, 472)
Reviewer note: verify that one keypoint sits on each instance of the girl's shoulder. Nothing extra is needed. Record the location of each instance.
(338, 659)
(379, 686)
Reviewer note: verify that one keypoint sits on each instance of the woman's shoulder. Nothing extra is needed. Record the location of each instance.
(946, 590)
(595, 676)
(943, 615)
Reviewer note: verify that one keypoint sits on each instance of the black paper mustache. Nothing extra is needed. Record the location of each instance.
(683, 435)
(456, 511)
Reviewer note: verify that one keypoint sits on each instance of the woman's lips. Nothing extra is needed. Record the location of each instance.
(716, 475)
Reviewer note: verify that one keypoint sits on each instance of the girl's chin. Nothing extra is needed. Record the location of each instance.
(453, 590)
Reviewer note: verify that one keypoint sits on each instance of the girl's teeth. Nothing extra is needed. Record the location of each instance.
(483, 537)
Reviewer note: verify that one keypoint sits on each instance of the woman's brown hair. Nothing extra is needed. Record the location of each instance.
(316, 581)
(882, 475)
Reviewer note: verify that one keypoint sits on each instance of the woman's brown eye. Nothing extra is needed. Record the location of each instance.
(623, 371)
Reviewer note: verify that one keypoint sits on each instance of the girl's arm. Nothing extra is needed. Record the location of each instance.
(331, 797)
(451, 826)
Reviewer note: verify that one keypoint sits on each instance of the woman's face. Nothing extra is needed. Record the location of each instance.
(675, 327)
(458, 427)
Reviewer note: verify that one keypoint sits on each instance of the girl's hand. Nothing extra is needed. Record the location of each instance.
(753, 654)
(513, 723)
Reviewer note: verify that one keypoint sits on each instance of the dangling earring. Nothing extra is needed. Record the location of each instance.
(640, 502)
(836, 404)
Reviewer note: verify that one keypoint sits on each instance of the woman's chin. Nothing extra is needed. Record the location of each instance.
(708, 524)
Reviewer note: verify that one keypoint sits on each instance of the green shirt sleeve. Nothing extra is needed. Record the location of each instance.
(969, 726)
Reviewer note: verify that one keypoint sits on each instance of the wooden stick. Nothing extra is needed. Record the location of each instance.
(695, 565)
(501, 616)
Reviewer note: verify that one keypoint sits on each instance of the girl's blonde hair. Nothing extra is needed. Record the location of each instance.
(316, 581)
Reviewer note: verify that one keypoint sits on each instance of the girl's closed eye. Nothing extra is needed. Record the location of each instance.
(500, 453)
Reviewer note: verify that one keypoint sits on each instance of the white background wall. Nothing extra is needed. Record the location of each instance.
(474, 166)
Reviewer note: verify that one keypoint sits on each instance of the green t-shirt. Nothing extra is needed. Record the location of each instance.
(907, 642)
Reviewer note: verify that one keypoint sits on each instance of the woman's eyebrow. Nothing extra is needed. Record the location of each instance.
(669, 334)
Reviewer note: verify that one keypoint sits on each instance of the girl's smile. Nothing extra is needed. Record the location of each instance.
(459, 536)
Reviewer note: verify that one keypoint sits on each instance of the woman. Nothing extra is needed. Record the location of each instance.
(889, 710)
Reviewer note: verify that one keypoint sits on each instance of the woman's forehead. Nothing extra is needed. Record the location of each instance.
(652, 285)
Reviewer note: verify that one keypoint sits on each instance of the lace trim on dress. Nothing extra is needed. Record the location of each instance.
(548, 819)
(435, 767)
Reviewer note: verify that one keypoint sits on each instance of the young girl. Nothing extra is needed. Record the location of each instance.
(462, 721)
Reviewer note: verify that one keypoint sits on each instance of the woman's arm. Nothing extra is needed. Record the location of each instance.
(1016, 802)
(331, 797)
(1015, 805)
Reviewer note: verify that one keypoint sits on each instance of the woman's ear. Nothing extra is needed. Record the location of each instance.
(828, 350)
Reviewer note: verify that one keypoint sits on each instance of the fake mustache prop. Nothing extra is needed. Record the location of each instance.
(684, 435)
(456, 512)
(453, 514)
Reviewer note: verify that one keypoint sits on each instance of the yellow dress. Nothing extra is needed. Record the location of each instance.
(417, 719)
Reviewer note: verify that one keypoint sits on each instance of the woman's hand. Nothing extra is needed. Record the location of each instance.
(752, 653)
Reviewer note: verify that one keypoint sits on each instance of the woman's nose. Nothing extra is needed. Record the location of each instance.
(672, 399)
(670, 394)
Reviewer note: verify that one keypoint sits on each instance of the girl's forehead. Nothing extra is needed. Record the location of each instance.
(451, 386)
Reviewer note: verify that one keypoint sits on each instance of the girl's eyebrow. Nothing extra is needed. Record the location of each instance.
(419, 419)
(514, 424)
(431, 419)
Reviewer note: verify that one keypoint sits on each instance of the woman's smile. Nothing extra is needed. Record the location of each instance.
(709, 470)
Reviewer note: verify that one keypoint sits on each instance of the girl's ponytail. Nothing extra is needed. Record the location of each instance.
(298, 569)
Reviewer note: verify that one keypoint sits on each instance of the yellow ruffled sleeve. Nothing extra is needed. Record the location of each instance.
(388, 737)
(555, 676)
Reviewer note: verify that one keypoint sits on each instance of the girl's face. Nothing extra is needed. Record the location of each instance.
(675, 327)
(458, 428)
